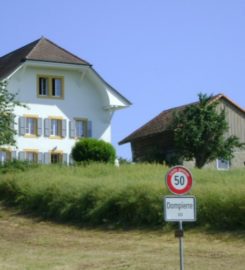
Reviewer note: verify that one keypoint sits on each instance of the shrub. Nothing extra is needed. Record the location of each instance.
(15, 166)
(89, 149)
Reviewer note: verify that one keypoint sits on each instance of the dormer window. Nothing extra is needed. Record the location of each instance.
(50, 86)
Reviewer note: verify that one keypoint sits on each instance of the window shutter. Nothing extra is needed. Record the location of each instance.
(63, 132)
(72, 129)
(39, 127)
(47, 158)
(65, 158)
(22, 156)
(90, 129)
(22, 125)
(13, 155)
(3, 157)
(40, 158)
(47, 127)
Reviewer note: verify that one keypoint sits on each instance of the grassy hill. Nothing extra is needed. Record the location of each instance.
(129, 196)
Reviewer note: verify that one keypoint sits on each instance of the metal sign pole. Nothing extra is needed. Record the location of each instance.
(181, 246)
(179, 208)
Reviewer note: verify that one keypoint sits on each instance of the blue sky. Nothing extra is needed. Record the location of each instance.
(157, 53)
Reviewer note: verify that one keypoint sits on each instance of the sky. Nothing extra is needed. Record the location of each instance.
(157, 53)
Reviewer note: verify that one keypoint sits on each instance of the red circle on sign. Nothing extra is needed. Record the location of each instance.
(179, 180)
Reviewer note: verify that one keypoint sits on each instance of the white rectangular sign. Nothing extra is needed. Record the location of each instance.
(180, 208)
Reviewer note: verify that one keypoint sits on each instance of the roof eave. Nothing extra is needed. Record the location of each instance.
(43, 63)
(232, 102)
(10, 74)
(129, 139)
(57, 62)
(127, 102)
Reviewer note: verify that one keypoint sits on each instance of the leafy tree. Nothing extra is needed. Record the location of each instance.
(90, 149)
(7, 104)
(200, 133)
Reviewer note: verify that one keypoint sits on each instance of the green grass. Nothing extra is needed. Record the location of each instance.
(131, 195)
(35, 244)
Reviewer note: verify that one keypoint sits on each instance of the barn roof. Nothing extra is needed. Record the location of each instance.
(161, 122)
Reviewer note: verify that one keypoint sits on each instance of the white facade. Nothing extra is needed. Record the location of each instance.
(86, 98)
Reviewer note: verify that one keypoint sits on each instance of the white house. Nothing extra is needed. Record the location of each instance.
(66, 99)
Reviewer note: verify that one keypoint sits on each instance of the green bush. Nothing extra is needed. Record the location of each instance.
(15, 166)
(89, 149)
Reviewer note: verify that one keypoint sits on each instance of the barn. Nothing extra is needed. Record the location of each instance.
(153, 142)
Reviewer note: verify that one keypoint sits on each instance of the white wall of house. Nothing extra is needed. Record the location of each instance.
(85, 96)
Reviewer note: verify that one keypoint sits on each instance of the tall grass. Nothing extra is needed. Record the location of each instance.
(131, 195)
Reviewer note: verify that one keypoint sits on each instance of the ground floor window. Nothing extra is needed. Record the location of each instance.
(4, 156)
(31, 157)
(56, 158)
(34, 156)
(223, 164)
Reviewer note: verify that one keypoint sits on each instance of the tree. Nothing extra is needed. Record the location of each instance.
(7, 104)
(200, 133)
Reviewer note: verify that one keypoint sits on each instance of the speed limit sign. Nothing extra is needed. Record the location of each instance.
(179, 180)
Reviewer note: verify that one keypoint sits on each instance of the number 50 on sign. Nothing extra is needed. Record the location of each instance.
(179, 180)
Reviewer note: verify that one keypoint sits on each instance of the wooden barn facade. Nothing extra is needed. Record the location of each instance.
(154, 140)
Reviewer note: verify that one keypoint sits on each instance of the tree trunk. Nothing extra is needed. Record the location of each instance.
(200, 162)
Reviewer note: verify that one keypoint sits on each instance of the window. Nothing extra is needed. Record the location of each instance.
(50, 86)
(56, 87)
(31, 157)
(223, 164)
(4, 156)
(30, 126)
(56, 158)
(43, 86)
(55, 127)
(80, 127)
